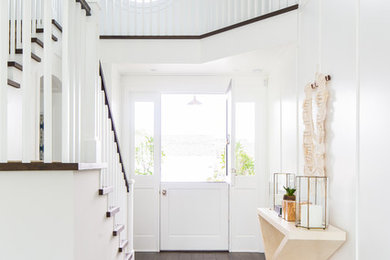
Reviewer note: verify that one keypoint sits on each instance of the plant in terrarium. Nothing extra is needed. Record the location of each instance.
(290, 193)
(289, 204)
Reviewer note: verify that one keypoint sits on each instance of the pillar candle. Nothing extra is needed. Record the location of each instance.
(315, 216)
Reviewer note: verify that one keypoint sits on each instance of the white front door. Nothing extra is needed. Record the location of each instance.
(194, 216)
(194, 194)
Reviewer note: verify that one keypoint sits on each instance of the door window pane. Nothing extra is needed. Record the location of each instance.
(144, 138)
(245, 139)
(193, 138)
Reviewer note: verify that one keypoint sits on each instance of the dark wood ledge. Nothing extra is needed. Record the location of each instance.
(55, 166)
(202, 36)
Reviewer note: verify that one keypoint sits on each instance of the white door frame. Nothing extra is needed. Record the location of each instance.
(257, 183)
(148, 186)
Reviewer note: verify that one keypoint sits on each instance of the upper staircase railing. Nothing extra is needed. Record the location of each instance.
(178, 19)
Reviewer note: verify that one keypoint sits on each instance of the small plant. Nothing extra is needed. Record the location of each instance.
(289, 193)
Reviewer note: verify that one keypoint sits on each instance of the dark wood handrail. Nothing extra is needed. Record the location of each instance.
(106, 101)
(85, 6)
(202, 36)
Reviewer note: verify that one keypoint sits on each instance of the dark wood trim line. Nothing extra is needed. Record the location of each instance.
(150, 37)
(85, 6)
(202, 36)
(55, 166)
(57, 25)
(12, 84)
(37, 41)
(15, 64)
(253, 20)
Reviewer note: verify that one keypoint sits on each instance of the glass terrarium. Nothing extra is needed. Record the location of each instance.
(281, 180)
(312, 202)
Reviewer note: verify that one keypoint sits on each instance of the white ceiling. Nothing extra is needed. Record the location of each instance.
(248, 64)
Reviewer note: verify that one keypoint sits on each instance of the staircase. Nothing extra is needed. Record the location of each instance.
(59, 44)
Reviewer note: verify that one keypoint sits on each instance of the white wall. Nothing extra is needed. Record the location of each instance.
(54, 215)
(344, 39)
(14, 123)
(38, 220)
(374, 122)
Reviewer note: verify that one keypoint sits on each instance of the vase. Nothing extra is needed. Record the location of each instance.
(289, 210)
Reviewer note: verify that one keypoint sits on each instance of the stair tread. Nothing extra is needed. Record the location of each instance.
(112, 211)
(117, 229)
(128, 256)
(41, 30)
(37, 41)
(123, 244)
(105, 190)
(15, 64)
(13, 83)
(33, 55)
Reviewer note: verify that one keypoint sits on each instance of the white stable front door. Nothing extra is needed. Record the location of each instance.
(194, 216)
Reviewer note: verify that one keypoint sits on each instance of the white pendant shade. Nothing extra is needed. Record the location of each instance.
(194, 101)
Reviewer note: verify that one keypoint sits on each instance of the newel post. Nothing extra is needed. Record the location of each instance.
(90, 142)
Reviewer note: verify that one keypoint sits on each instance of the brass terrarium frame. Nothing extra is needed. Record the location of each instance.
(299, 202)
(288, 177)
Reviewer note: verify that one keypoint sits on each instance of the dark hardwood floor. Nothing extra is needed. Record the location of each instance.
(199, 256)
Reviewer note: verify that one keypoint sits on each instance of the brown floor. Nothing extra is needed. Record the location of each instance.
(199, 256)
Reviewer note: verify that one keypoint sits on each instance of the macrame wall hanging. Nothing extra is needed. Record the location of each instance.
(314, 135)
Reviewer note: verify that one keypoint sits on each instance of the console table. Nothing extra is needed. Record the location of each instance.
(283, 240)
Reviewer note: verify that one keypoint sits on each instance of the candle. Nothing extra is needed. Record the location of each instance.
(315, 216)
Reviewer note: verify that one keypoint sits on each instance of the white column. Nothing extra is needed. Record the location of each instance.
(28, 152)
(78, 81)
(65, 81)
(3, 78)
(91, 145)
(72, 79)
(47, 86)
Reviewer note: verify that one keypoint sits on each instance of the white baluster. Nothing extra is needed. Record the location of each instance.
(28, 152)
(130, 210)
(4, 49)
(12, 29)
(263, 7)
(33, 17)
(65, 82)
(47, 81)
(105, 150)
(18, 24)
(72, 80)
(78, 80)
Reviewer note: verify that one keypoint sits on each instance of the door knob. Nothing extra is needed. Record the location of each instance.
(164, 192)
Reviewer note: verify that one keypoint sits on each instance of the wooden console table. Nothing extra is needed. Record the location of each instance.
(283, 240)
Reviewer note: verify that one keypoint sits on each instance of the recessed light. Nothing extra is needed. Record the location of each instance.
(257, 70)
(153, 70)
